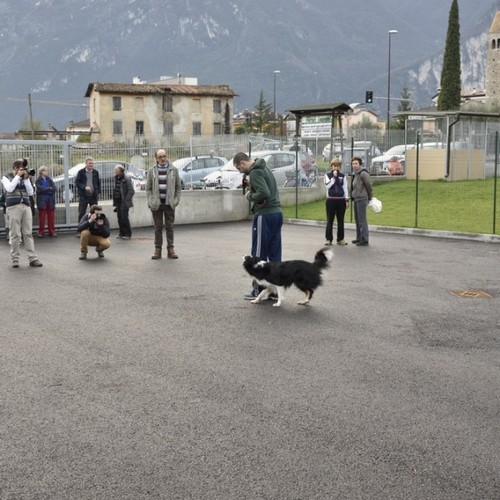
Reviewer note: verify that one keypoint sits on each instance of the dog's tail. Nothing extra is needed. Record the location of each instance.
(323, 257)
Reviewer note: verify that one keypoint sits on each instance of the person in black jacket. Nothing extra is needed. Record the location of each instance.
(337, 200)
(88, 185)
(94, 231)
(123, 193)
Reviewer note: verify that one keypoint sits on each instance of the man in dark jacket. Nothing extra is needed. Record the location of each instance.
(94, 231)
(123, 193)
(262, 192)
(88, 186)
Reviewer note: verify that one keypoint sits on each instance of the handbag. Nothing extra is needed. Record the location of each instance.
(375, 205)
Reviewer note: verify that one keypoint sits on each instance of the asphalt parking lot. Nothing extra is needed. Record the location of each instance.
(126, 379)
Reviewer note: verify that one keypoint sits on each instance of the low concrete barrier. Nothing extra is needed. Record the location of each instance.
(196, 206)
(200, 206)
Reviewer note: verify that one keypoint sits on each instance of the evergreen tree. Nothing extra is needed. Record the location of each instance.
(404, 105)
(263, 115)
(449, 95)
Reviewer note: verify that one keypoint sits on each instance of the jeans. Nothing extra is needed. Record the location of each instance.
(361, 220)
(167, 212)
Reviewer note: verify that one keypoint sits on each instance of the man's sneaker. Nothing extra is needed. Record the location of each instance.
(83, 256)
(354, 241)
(35, 263)
(251, 295)
(125, 237)
(342, 242)
(328, 243)
(15, 263)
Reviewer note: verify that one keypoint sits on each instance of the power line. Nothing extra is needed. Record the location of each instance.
(57, 103)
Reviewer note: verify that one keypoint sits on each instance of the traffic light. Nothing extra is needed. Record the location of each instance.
(369, 97)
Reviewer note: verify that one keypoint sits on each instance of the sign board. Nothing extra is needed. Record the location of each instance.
(316, 126)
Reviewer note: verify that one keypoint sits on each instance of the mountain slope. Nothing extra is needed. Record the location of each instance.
(326, 50)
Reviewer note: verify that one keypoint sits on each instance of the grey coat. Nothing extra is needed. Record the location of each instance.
(361, 186)
(153, 188)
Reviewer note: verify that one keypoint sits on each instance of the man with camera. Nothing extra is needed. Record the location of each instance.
(94, 231)
(18, 193)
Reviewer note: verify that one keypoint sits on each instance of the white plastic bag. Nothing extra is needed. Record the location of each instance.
(376, 205)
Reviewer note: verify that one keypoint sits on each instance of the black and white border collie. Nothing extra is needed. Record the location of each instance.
(277, 277)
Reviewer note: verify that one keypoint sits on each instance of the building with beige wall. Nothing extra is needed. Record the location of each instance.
(123, 111)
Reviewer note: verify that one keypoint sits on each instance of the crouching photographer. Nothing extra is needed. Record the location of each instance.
(94, 231)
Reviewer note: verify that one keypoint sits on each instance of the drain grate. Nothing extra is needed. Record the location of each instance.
(471, 294)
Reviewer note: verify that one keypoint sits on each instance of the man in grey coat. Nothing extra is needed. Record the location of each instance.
(163, 190)
(361, 194)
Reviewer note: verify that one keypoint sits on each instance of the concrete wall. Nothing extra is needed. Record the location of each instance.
(221, 205)
(197, 206)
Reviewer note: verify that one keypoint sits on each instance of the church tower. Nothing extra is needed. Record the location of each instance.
(493, 71)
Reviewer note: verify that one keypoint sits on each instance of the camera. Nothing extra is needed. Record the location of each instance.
(24, 168)
(100, 216)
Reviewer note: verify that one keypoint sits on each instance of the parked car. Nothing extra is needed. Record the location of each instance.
(227, 177)
(392, 162)
(280, 162)
(358, 145)
(106, 175)
(193, 168)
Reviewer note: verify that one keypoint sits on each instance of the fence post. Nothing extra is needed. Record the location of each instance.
(416, 178)
(495, 184)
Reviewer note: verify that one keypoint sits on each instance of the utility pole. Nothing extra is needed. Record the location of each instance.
(31, 118)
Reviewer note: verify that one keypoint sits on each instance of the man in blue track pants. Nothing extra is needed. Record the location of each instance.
(262, 192)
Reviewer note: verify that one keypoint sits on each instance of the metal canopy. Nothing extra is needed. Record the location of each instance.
(444, 114)
(338, 108)
(335, 110)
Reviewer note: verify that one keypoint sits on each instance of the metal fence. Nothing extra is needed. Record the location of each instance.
(62, 158)
(465, 168)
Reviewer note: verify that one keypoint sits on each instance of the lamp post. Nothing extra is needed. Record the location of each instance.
(275, 73)
(391, 32)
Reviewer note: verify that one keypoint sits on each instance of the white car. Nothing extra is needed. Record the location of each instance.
(392, 162)
(358, 145)
(280, 162)
(227, 177)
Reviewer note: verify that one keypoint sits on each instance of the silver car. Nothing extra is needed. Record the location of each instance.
(280, 162)
(193, 168)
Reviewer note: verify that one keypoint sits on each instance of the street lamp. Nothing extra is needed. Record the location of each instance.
(391, 32)
(275, 73)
